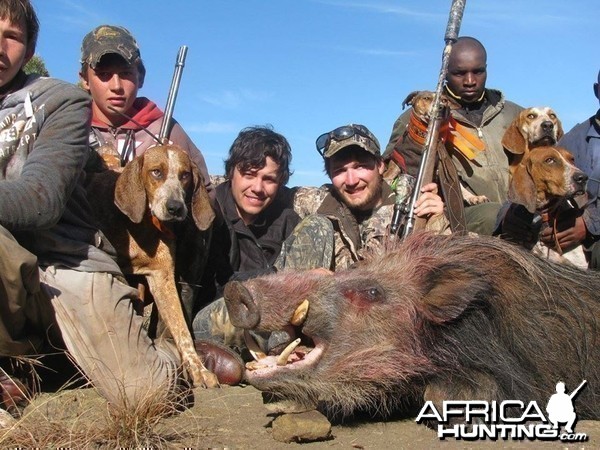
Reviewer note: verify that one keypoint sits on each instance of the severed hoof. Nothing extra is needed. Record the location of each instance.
(221, 361)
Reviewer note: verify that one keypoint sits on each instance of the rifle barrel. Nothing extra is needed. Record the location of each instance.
(428, 158)
(166, 123)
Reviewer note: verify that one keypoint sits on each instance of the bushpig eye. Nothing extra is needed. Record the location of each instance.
(364, 296)
(374, 294)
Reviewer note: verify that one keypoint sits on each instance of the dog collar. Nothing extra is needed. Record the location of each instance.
(165, 230)
(451, 131)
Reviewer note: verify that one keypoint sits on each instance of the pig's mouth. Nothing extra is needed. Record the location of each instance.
(301, 353)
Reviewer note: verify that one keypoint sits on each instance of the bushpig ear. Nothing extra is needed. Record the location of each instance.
(130, 194)
(512, 140)
(202, 210)
(522, 188)
(450, 289)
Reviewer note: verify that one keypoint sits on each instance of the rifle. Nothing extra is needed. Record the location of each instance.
(403, 219)
(165, 127)
(576, 391)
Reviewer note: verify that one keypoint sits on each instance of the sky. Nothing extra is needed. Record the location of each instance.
(306, 67)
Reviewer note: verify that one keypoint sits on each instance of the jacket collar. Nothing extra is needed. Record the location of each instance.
(264, 219)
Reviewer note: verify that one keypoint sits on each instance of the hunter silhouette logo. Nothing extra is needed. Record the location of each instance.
(560, 407)
(509, 419)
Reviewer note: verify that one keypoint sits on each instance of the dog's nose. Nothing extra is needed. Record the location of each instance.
(175, 208)
(547, 125)
(580, 178)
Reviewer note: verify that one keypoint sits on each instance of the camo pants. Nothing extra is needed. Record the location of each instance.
(310, 246)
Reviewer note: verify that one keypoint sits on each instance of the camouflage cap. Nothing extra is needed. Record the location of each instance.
(107, 39)
(360, 137)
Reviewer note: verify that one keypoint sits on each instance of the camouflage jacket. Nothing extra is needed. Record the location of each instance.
(353, 238)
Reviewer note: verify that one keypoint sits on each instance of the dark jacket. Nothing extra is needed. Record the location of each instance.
(243, 251)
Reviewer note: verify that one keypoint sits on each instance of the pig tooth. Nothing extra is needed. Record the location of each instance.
(255, 365)
(253, 347)
(282, 358)
(300, 314)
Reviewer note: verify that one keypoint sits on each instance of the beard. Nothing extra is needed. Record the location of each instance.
(368, 201)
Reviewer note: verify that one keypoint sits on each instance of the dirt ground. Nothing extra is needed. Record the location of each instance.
(236, 418)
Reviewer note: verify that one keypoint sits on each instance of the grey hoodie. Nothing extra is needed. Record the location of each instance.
(44, 128)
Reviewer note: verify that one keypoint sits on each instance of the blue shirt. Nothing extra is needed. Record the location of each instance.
(583, 141)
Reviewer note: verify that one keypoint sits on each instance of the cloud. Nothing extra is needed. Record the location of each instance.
(234, 99)
(212, 127)
(384, 8)
(77, 14)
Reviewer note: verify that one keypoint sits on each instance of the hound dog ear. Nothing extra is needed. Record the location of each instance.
(449, 102)
(559, 130)
(130, 194)
(409, 99)
(202, 210)
(513, 141)
(522, 188)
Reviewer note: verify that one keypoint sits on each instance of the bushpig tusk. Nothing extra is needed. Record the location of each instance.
(282, 358)
(300, 313)
(253, 347)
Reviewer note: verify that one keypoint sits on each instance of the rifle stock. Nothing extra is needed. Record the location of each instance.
(429, 158)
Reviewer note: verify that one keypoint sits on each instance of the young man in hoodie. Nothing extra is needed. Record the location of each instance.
(112, 71)
(59, 281)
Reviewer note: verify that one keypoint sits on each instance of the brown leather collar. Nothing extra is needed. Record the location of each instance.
(459, 136)
(164, 229)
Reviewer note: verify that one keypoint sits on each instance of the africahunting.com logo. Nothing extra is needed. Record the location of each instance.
(510, 419)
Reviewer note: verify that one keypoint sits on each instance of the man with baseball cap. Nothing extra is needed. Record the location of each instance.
(358, 202)
(112, 71)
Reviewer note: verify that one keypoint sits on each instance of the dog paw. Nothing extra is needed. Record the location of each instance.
(477, 200)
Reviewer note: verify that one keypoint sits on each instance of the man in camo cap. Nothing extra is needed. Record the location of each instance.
(341, 221)
(358, 203)
(123, 123)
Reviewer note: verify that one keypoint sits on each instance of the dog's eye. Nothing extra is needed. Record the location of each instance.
(531, 116)
(553, 116)
(156, 173)
(185, 176)
(550, 160)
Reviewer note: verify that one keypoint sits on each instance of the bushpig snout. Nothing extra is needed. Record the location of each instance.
(243, 312)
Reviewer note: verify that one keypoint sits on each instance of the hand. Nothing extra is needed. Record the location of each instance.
(521, 226)
(568, 238)
(429, 202)
(320, 271)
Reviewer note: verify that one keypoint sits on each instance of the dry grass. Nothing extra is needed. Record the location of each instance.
(81, 418)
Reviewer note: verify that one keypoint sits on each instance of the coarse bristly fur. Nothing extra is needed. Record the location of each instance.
(440, 318)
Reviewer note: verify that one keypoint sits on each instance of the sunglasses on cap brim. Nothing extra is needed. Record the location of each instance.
(341, 134)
